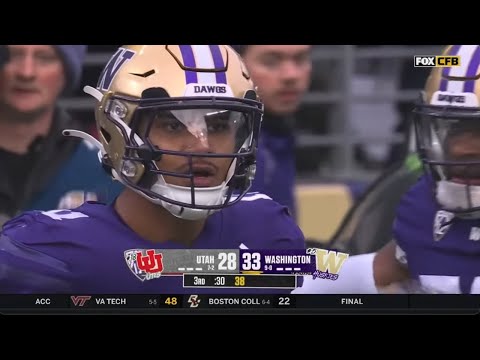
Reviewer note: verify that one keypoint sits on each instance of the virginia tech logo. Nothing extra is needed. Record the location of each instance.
(145, 264)
(80, 300)
(435, 61)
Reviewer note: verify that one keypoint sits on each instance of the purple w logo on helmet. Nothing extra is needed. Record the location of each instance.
(114, 65)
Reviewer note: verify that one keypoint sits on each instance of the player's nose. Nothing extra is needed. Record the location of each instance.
(198, 143)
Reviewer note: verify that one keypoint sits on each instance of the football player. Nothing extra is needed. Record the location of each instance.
(178, 126)
(436, 233)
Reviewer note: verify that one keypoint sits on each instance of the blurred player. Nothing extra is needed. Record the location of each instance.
(282, 74)
(436, 247)
(178, 126)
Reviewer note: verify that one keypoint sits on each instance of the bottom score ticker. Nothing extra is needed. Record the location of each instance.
(313, 304)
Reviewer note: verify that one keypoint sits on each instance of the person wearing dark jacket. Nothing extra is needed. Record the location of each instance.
(282, 75)
(41, 168)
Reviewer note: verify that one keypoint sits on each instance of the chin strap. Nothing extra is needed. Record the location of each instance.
(97, 94)
(88, 138)
(96, 144)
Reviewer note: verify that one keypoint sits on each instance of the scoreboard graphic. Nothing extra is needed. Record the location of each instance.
(263, 268)
(240, 280)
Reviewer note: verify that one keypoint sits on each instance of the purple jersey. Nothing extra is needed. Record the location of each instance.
(82, 251)
(442, 251)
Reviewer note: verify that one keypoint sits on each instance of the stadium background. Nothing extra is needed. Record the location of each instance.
(332, 173)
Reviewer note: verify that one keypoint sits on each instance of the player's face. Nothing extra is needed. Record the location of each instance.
(33, 78)
(464, 146)
(281, 73)
(207, 131)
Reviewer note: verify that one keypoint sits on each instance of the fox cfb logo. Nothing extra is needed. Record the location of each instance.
(436, 61)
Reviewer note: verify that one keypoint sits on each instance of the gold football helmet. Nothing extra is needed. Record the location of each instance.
(186, 105)
(447, 126)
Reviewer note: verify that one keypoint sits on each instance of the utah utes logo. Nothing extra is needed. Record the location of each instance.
(119, 59)
(441, 224)
(144, 264)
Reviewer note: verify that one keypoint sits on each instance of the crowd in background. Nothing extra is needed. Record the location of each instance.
(43, 172)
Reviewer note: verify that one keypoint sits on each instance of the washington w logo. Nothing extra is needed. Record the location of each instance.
(114, 65)
(328, 263)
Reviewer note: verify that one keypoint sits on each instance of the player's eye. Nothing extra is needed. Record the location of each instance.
(218, 125)
(167, 122)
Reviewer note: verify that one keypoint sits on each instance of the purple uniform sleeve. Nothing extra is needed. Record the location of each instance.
(24, 267)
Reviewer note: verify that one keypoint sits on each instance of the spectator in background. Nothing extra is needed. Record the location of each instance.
(282, 74)
(41, 168)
